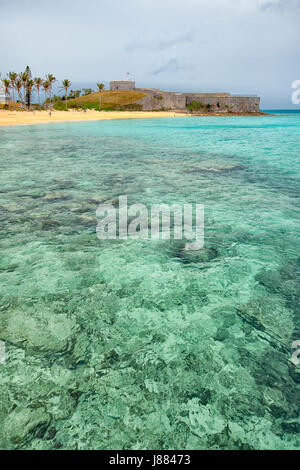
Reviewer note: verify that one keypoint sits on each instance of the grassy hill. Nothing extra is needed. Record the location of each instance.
(107, 100)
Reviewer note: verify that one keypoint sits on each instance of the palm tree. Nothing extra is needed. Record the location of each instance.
(46, 86)
(7, 86)
(65, 86)
(30, 88)
(100, 86)
(38, 84)
(19, 85)
(51, 79)
(13, 76)
(24, 78)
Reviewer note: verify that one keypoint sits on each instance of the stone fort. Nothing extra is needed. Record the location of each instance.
(165, 100)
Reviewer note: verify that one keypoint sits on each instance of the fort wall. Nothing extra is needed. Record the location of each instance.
(122, 85)
(240, 104)
(157, 100)
(161, 100)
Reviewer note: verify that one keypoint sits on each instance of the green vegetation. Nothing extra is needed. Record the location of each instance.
(51, 80)
(46, 86)
(25, 85)
(86, 91)
(29, 87)
(38, 84)
(29, 90)
(66, 84)
(199, 106)
(13, 77)
(18, 86)
(100, 86)
(24, 77)
(110, 100)
(74, 94)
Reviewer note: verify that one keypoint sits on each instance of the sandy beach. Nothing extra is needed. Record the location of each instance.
(17, 118)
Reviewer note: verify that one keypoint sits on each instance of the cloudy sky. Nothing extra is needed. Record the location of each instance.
(241, 46)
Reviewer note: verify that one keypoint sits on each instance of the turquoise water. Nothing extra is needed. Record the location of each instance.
(116, 344)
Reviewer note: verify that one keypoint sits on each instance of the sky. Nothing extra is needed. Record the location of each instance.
(238, 46)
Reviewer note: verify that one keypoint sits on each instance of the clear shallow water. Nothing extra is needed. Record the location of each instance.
(140, 345)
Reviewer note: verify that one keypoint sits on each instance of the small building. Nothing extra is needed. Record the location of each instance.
(3, 98)
(122, 85)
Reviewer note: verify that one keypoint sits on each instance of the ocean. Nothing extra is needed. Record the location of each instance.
(141, 344)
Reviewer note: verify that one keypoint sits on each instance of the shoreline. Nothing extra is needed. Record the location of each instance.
(27, 118)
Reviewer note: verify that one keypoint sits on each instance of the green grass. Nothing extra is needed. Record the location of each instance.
(107, 100)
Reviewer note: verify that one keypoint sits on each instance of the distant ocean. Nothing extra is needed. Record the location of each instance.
(141, 344)
(282, 111)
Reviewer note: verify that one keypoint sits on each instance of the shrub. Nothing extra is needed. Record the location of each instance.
(59, 105)
(196, 106)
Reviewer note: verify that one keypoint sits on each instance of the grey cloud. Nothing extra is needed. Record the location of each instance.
(160, 44)
(278, 5)
(171, 65)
